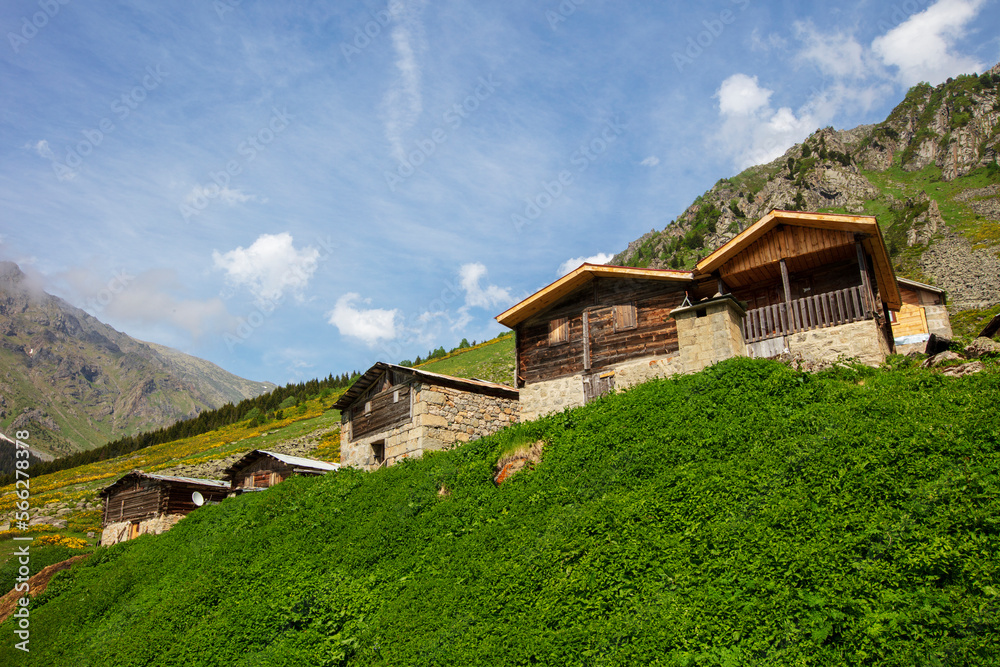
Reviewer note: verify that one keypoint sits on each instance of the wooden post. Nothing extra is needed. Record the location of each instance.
(788, 295)
(517, 356)
(863, 265)
(586, 341)
(719, 284)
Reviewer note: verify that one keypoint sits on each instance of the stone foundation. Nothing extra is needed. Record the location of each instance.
(114, 533)
(710, 332)
(858, 340)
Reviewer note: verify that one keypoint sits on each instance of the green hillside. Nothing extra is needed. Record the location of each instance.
(746, 515)
(492, 360)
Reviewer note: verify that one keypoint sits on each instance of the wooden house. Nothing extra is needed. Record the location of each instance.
(817, 286)
(923, 313)
(394, 412)
(141, 502)
(261, 469)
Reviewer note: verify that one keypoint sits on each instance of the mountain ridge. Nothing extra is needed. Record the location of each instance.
(74, 382)
(928, 172)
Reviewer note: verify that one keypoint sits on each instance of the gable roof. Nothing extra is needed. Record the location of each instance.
(863, 225)
(375, 372)
(549, 295)
(295, 461)
(191, 481)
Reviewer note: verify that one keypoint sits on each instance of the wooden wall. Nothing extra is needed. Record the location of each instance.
(831, 278)
(139, 500)
(655, 332)
(262, 473)
(388, 408)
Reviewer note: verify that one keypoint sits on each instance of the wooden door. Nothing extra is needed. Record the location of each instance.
(133, 530)
(597, 385)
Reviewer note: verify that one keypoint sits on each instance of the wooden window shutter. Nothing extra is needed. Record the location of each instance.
(625, 317)
(558, 331)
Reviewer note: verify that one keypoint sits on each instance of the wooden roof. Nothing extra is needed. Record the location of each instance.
(375, 372)
(833, 225)
(548, 296)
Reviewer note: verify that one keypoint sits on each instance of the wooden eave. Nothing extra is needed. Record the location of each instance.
(864, 226)
(551, 294)
(369, 377)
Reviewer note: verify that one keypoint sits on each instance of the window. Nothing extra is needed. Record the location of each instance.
(558, 331)
(625, 317)
(378, 452)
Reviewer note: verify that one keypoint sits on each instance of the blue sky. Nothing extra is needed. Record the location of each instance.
(298, 188)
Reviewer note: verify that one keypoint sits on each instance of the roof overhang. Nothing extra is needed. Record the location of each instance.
(549, 295)
(913, 284)
(865, 226)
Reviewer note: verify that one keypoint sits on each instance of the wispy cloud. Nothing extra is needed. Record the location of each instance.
(650, 161)
(403, 102)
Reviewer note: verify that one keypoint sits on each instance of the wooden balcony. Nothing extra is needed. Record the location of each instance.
(813, 312)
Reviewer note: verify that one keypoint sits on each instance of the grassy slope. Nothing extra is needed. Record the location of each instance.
(748, 514)
(492, 360)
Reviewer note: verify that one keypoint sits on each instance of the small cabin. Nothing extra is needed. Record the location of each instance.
(261, 469)
(141, 502)
(394, 412)
(923, 313)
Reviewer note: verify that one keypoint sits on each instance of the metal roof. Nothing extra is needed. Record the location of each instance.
(297, 461)
(375, 372)
(924, 286)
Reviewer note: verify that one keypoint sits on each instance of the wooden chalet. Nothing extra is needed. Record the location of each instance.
(141, 502)
(261, 469)
(819, 286)
(394, 412)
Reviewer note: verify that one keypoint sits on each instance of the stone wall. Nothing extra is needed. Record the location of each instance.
(114, 533)
(710, 332)
(442, 418)
(542, 398)
(860, 340)
(938, 321)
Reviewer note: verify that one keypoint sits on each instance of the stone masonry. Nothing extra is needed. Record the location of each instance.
(118, 532)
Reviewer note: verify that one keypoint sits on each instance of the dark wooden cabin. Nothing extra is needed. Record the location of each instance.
(141, 502)
(261, 469)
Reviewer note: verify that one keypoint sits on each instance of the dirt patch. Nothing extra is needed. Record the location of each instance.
(523, 457)
(38, 584)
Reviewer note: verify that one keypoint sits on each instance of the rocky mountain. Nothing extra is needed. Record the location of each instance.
(73, 382)
(929, 173)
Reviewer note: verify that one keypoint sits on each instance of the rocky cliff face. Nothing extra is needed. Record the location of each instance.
(929, 174)
(73, 382)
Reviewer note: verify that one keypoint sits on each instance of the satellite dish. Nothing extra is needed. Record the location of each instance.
(197, 499)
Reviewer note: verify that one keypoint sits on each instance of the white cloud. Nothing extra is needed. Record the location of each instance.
(752, 131)
(767, 42)
(369, 325)
(651, 161)
(570, 264)
(740, 95)
(403, 103)
(470, 276)
(922, 46)
(269, 267)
